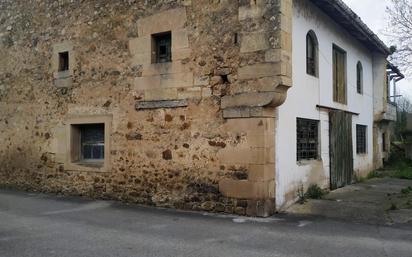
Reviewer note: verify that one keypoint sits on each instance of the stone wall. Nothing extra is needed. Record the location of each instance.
(195, 133)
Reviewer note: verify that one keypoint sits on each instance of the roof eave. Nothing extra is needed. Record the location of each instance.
(348, 19)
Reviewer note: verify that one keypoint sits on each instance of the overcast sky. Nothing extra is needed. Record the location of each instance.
(373, 13)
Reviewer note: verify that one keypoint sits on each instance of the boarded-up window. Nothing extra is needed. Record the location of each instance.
(359, 78)
(339, 75)
(361, 132)
(311, 54)
(307, 139)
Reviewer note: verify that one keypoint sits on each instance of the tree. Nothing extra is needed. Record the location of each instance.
(400, 33)
(404, 107)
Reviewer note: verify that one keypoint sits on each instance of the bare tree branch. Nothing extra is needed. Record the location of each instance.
(400, 33)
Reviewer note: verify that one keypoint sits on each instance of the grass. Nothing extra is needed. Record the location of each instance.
(315, 192)
(397, 167)
(401, 167)
(359, 179)
(406, 191)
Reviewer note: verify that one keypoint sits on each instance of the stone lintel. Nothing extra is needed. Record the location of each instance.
(142, 105)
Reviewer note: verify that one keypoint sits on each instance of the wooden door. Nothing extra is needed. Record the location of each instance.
(340, 149)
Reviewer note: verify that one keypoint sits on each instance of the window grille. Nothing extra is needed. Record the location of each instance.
(361, 139)
(307, 139)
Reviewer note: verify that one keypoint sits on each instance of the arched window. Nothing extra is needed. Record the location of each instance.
(359, 78)
(311, 54)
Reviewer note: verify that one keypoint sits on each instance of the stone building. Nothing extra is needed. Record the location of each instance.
(185, 103)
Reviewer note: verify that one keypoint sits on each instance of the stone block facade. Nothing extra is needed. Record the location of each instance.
(195, 133)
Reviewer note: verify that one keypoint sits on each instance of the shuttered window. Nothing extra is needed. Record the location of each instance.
(361, 136)
(339, 75)
(307, 139)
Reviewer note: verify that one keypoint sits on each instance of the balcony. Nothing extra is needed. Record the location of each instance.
(390, 114)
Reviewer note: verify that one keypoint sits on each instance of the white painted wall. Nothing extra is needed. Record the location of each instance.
(308, 91)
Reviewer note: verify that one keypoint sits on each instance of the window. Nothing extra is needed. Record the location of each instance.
(88, 143)
(359, 78)
(339, 75)
(311, 54)
(361, 146)
(64, 61)
(307, 139)
(383, 142)
(162, 43)
(92, 142)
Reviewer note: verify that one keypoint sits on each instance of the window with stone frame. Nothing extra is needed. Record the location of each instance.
(92, 141)
(88, 143)
(311, 54)
(361, 139)
(307, 144)
(359, 78)
(339, 75)
(162, 43)
(64, 61)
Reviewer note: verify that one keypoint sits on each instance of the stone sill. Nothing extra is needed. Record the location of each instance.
(145, 105)
(84, 166)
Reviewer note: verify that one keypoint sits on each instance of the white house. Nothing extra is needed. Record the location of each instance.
(333, 72)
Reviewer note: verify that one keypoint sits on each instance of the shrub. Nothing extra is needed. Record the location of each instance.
(315, 192)
(406, 190)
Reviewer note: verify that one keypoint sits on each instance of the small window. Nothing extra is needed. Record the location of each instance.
(339, 75)
(64, 61)
(359, 78)
(383, 142)
(307, 139)
(162, 47)
(88, 143)
(92, 141)
(361, 139)
(311, 54)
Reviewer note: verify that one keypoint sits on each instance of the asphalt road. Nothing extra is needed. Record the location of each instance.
(47, 225)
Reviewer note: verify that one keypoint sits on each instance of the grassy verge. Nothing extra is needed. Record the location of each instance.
(397, 167)
(400, 167)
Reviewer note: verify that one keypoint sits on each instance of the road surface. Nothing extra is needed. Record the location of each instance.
(39, 225)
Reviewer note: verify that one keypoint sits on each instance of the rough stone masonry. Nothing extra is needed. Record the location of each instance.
(196, 132)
